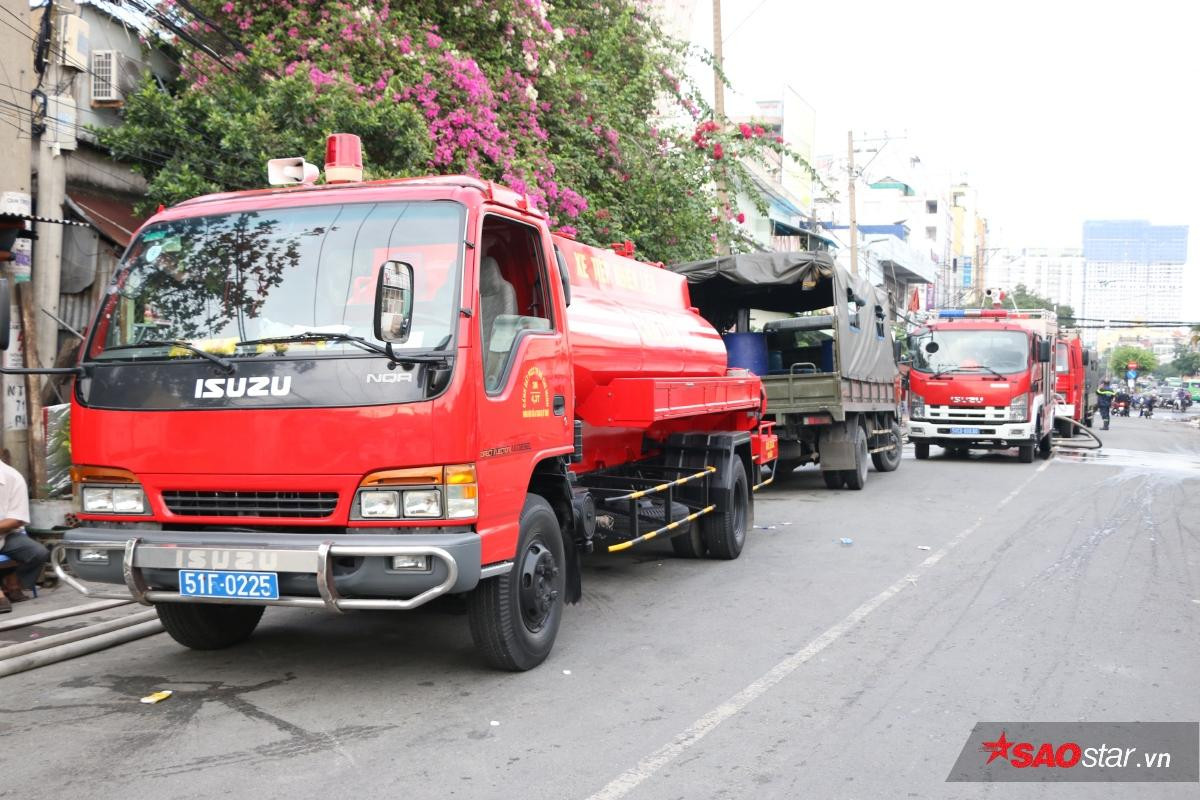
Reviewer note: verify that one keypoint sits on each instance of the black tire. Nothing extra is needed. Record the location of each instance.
(857, 478)
(1046, 446)
(1025, 453)
(889, 460)
(921, 450)
(514, 618)
(833, 478)
(208, 626)
(724, 530)
(689, 544)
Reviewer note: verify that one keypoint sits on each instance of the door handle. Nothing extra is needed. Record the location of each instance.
(560, 405)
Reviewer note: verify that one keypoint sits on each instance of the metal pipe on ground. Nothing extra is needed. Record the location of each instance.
(66, 637)
(90, 645)
(47, 616)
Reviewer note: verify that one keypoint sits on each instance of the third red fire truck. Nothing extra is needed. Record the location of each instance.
(983, 378)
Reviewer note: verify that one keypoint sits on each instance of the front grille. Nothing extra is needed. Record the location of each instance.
(969, 414)
(250, 504)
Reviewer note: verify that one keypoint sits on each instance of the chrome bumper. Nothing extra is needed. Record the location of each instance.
(139, 555)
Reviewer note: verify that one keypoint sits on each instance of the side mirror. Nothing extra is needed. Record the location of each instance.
(5, 312)
(563, 275)
(394, 302)
(1087, 356)
(1045, 350)
(896, 351)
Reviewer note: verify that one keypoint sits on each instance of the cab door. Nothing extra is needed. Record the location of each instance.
(527, 402)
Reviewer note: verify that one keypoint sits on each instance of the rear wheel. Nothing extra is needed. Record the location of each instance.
(207, 626)
(833, 478)
(921, 450)
(724, 530)
(889, 460)
(515, 617)
(857, 478)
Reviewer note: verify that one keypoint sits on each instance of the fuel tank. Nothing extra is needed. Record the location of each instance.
(629, 319)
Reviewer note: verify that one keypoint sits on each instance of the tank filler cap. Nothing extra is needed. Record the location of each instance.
(343, 158)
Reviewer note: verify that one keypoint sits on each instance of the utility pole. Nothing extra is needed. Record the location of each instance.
(719, 64)
(853, 209)
(51, 193)
(719, 109)
(16, 144)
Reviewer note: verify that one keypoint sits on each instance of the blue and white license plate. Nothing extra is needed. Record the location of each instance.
(213, 583)
(967, 431)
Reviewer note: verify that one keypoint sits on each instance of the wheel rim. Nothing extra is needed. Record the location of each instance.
(537, 590)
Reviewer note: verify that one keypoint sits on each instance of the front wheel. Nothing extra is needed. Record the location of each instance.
(921, 450)
(514, 618)
(1025, 453)
(206, 626)
(724, 529)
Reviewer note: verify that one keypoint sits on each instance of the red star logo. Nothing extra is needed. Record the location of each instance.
(999, 748)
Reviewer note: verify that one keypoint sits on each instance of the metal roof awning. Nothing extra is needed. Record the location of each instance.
(111, 215)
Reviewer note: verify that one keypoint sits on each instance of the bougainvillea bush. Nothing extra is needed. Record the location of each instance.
(579, 103)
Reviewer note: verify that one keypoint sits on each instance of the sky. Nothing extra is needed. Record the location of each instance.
(1056, 111)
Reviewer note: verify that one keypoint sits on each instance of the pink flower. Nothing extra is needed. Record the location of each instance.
(290, 69)
(741, 218)
(746, 130)
(293, 32)
(778, 140)
(406, 45)
(718, 152)
(433, 41)
(227, 8)
(319, 78)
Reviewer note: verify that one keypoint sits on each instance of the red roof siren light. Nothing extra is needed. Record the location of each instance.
(343, 158)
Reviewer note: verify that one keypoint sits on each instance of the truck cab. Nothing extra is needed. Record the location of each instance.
(983, 378)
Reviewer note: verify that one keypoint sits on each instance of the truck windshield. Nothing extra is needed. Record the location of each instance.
(950, 350)
(217, 281)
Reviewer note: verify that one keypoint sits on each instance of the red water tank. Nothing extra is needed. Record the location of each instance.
(628, 319)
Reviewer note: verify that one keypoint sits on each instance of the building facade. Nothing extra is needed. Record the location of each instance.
(1133, 270)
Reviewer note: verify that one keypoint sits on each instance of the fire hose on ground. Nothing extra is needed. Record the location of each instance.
(1069, 441)
(71, 644)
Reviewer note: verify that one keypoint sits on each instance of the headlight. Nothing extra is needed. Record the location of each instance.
(113, 500)
(379, 505)
(1019, 410)
(424, 503)
(918, 406)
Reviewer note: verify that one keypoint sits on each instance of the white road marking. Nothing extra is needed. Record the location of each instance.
(629, 780)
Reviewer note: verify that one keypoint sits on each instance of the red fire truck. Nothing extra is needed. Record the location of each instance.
(367, 395)
(983, 378)
(1076, 380)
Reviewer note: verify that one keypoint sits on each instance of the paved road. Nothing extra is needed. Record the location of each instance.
(1062, 590)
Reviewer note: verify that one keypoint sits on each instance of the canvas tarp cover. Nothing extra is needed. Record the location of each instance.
(793, 283)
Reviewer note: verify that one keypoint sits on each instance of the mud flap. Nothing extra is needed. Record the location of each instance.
(836, 446)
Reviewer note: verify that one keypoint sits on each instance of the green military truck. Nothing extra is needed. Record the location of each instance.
(821, 340)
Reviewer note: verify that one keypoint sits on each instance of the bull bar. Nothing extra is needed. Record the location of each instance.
(319, 561)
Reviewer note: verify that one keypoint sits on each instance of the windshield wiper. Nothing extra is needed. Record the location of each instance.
(956, 367)
(366, 344)
(223, 363)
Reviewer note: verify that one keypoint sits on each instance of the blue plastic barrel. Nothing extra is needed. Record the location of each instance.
(827, 355)
(747, 351)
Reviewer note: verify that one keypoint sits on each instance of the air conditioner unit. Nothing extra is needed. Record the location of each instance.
(73, 45)
(129, 74)
(105, 76)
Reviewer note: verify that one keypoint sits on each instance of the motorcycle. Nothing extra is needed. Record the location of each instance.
(1121, 408)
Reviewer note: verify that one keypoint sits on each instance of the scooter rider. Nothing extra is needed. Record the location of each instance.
(1104, 399)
